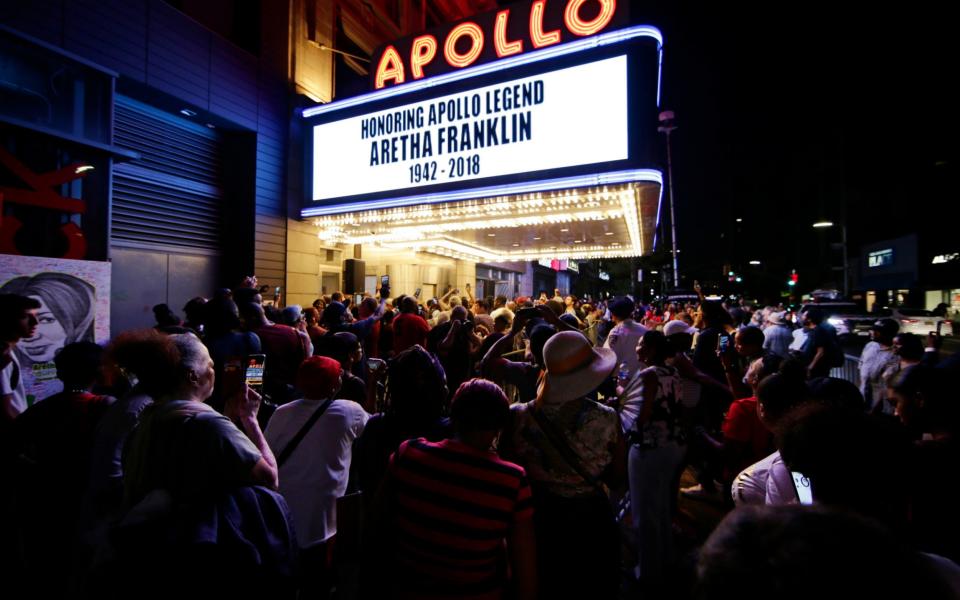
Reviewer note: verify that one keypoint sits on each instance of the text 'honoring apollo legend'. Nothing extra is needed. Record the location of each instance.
(566, 117)
(453, 125)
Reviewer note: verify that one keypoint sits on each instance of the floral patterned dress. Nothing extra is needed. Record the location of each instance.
(589, 428)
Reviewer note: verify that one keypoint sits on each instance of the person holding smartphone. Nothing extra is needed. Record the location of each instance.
(336, 317)
(455, 342)
(180, 429)
(539, 324)
(625, 335)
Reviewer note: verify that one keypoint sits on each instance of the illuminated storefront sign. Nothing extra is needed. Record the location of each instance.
(942, 259)
(522, 27)
(563, 118)
(558, 264)
(880, 258)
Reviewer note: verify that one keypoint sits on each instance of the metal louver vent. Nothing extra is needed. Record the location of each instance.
(171, 196)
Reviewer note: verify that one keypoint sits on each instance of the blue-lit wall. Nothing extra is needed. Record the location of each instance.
(156, 49)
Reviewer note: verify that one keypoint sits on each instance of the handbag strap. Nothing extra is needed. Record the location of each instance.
(288, 450)
(559, 441)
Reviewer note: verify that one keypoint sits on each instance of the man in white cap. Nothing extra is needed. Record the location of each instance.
(777, 336)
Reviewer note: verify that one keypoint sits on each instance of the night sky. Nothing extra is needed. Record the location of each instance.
(788, 112)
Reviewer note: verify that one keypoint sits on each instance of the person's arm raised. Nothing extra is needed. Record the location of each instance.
(442, 300)
(242, 409)
(551, 317)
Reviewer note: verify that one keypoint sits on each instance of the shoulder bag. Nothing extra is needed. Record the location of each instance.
(288, 450)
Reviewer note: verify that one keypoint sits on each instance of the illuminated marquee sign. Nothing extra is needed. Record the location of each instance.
(564, 118)
(880, 258)
(522, 27)
(942, 259)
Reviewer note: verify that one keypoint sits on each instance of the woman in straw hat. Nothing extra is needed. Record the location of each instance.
(570, 446)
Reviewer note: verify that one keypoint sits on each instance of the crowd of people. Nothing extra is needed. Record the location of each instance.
(477, 447)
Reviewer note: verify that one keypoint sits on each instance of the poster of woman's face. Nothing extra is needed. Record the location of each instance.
(74, 299)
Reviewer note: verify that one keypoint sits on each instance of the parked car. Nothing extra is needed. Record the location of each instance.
(915, 320)
(846, 317)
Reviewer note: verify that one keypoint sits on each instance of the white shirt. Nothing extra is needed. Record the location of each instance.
(317, 471)
(799, 339)
(750, 486)
(18, 391)
(878, 364)
(623, 340)
(780, 488)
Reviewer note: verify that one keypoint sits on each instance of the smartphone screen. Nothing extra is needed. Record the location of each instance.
(802, 486)
(723, 342)
(357, 299)
(253, 374)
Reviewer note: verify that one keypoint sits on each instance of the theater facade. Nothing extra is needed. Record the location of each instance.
(492, 151)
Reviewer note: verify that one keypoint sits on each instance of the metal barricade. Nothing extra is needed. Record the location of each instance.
(850, 370)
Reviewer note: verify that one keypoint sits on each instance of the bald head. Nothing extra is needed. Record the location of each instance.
(408, 304)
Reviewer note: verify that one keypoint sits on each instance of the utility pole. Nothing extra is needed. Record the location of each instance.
(666, 127)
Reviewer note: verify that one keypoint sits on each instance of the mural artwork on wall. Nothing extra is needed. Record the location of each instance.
(75, 306)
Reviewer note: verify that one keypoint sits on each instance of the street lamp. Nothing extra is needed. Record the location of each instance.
(823, 224)
(667, 126)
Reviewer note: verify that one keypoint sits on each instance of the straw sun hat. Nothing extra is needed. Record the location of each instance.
(574, 368)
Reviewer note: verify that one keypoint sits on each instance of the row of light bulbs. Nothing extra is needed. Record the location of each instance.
(527, 210)
(510, 205)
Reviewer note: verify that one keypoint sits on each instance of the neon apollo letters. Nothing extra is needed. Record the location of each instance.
(424, 49)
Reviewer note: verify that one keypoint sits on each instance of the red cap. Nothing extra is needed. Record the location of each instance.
(317, 376)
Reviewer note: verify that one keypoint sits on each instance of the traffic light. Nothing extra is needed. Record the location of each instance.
(793, 278)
